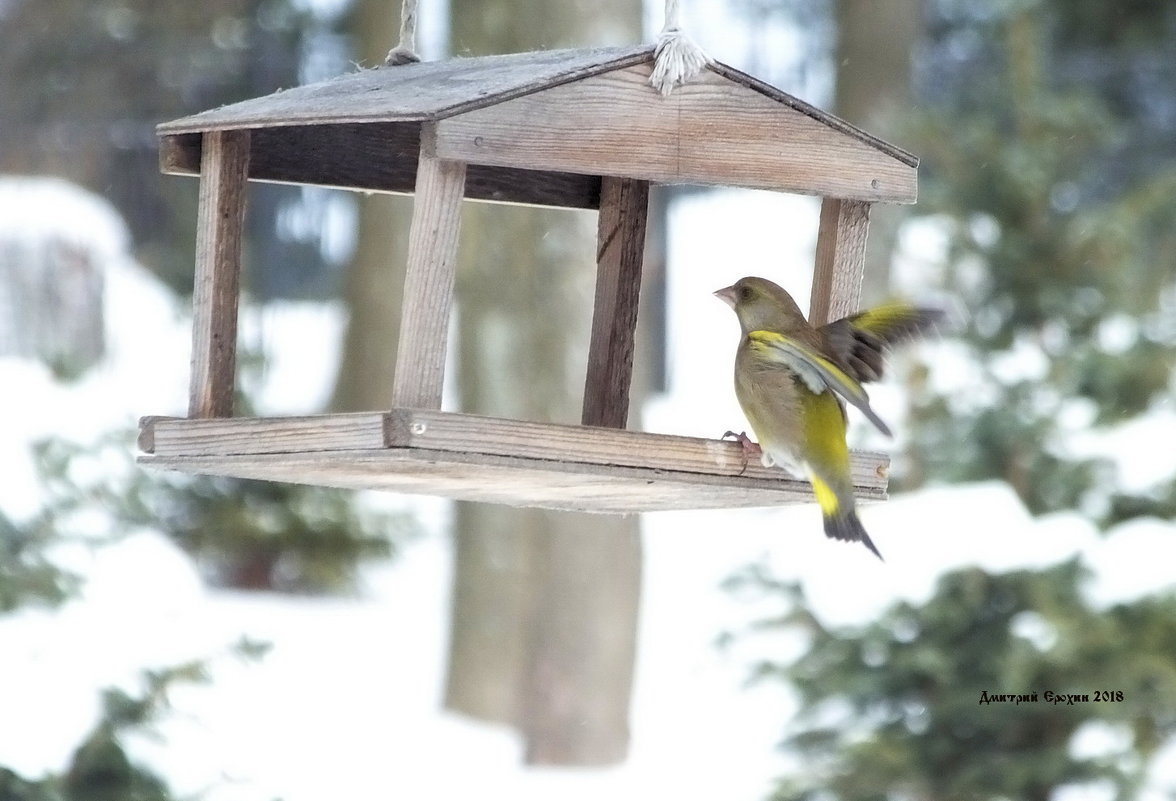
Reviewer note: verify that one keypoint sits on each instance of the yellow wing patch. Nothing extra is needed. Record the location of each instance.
(817, 372)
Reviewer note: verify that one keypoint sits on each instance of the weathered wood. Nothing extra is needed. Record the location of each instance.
(463, 433)
(428, 284)
(577, 111)
(437, 89)
(171, 436)
(498, 479)
(490, 459)
(840, 259)
(709, 131)
(224, 165)
(429, 90)
(832, 121)
(146, 439)
(624, 209)
(377, 157)
(418, 428)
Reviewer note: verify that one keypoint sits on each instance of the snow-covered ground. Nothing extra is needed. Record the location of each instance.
(346, 705)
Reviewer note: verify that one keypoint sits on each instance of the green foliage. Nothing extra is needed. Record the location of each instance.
(26, 572)
(100, 769)
(893, 708)
(246, 534)
(1045, 133)
(1061, 243)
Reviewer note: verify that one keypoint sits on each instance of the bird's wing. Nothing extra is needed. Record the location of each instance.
(817, 372)
(859, 341)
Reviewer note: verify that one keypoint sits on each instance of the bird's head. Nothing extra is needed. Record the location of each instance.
(761, 305)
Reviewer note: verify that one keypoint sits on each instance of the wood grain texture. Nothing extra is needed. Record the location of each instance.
(469, 457)
(171, 436)
(539, 127)
(709, 131)
(824, 117)
(840, 259)
(505, 480)
(419, 92)
(447, 431)
(377, 157)
(428, 283)
(438, 89)
(146, 439)
(224, 167)
(620, 249)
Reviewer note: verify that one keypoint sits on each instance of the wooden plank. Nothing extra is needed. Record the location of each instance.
(506, 480)
(709, 131)
(412, 92)
(437, 89)
(170, 436)
(224, 165)
(824, 117)
(489, 459)
(146, 439)
(624, 209)
(458, 433)
(376, 157)
(428, 284)
(180, 154)
(840, 259)
(450, 432)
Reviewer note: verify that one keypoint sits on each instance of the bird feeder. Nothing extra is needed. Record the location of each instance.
(572, 128)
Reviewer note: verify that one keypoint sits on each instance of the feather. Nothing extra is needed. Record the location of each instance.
(817, 372)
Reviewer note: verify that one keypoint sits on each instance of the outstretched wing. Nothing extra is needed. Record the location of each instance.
(817, 372)
(860, 340)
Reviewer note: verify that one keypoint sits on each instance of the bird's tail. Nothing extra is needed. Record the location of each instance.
(840, 517)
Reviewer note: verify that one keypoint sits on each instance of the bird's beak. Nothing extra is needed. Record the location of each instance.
(727, 295)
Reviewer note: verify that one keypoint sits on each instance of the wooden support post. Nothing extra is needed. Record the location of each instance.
(428, 283)
(224, 170)
(624, 208)
(841, 259)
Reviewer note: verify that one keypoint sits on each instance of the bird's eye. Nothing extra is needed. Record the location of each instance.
(745, 293)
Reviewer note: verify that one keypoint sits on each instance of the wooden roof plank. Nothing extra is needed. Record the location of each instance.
(430, 91)
(709, 131)
(415, 92)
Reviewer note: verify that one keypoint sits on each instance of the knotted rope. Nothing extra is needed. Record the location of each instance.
(676, 59)
(405, 50)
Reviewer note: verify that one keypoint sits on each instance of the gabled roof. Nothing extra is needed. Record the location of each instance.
(417, 92)
(542, 127)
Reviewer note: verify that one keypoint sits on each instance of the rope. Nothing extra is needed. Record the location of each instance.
(405, 50)
(676, 59)
(672, 13)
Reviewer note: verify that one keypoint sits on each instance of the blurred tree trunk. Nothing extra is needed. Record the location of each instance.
(52, 284)
(545, 604)
(374, 285)
(875, 40)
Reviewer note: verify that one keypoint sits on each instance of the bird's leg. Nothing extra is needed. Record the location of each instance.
(749, 448)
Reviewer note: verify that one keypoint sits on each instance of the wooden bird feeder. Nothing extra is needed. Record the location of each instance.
(572, 128)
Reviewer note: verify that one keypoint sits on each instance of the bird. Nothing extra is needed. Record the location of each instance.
(793, 379)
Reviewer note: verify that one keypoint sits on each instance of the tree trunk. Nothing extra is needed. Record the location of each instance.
(874, 44)
(544, 604)
(52, 283)
(374, 285)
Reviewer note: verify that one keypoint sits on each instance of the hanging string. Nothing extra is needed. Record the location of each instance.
(676, 59)
(405, 50)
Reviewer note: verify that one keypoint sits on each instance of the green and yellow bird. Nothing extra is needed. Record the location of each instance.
(793, 379)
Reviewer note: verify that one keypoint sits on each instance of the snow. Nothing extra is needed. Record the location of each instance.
(346, 704)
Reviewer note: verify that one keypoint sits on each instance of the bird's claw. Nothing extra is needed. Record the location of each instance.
(748, 447)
